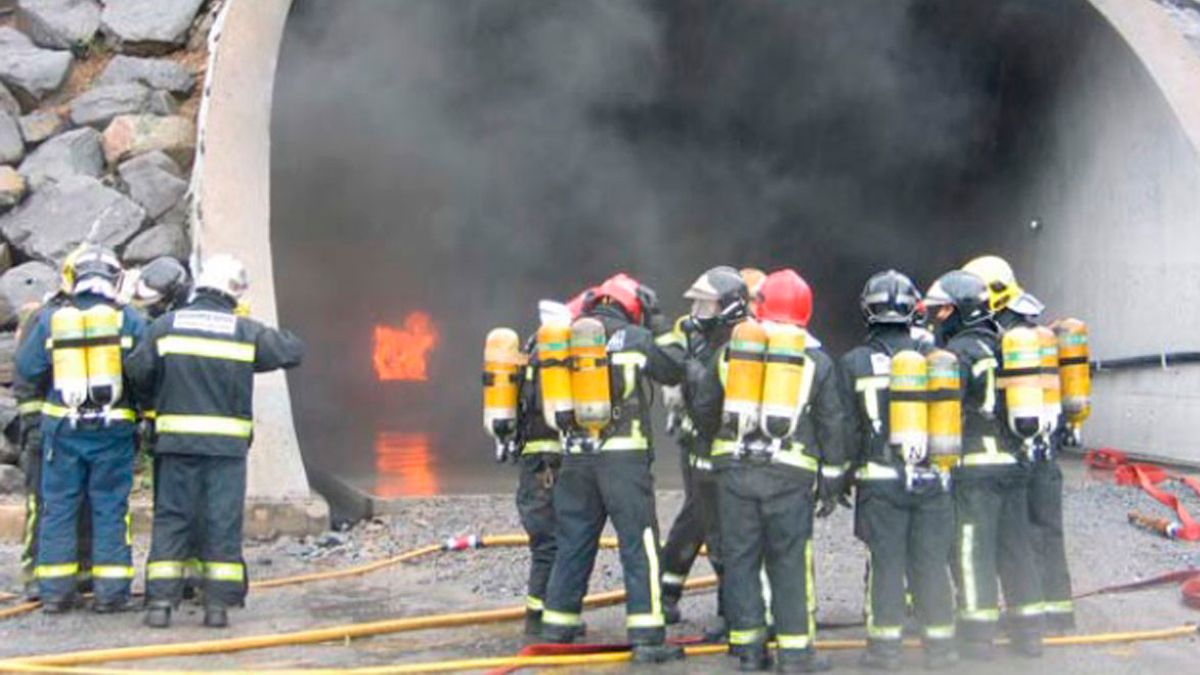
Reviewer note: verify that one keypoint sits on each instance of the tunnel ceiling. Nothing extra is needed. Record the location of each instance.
(459, 161)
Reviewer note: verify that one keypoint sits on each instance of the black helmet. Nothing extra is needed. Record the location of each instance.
(97, 270)
(889, 297)
(162, 284)
(967, 293)
(724, 286)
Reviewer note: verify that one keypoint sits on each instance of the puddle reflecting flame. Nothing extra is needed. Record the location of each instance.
(404, 465)
(403, 353)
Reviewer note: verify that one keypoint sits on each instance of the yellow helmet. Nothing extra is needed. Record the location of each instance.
(998, 275)
(66, 272)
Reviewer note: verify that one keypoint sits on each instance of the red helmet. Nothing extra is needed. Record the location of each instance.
(621, 289)
(785, 297)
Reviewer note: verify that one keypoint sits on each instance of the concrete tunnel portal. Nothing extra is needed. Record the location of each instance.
(436, 168)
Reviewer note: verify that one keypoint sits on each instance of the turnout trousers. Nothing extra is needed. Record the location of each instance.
(593, 488)
(77, 466)
(993, 540)
(31, 465)
(910, 536)
(767, 520)
(535, 505)
(1049, 546)
(205, 495)
(698, 523)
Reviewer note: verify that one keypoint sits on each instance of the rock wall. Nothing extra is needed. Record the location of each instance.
(98, 107)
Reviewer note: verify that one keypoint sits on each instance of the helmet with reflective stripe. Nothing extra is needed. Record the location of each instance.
(998, 275)
(889, 297)
(223, 274)
(963, 291)
(620, 290)
(785, 298)
(725, 293)
(96, 269)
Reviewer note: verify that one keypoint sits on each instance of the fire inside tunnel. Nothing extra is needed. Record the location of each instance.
(439, 167)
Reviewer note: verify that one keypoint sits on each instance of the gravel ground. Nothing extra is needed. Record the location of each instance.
(1103, 549)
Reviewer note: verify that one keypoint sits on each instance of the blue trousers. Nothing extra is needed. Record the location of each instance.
(97, 463)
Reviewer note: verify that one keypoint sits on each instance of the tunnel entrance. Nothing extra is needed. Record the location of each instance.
(439, 167)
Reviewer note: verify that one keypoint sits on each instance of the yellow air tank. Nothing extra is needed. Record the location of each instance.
(1073, 369)
(69, 357)
(744, 378)
(945, 408)
(908, 414)
(102, 331)
(1022, 381)
(1051, 386)
(590, 384)
(553, 353)
(502, 361)
(782, 380)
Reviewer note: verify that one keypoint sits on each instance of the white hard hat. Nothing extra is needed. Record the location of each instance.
(225, 274)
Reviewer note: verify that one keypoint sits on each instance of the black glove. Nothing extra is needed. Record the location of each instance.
(830, 492)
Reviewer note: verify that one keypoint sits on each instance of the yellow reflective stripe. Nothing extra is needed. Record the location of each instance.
(651, 546)
(112, 571)
(988, 366)
(796, 457)
(637, 359)
(787, 641)
(724, 447)
(31, 514)
(204, 424)
(875, 471)
(30, 407)
(672, 579)
(983, 365)
(943, 632)
(746, 637)
(209, 348)
(534, 604)
(546, 445)
(991, 454)
(966, 562)
(554, 618)
(669, 338)
(1058, 607)
(193, 567)
(626, 443)
(870, 387)
(1033, 609)
(224, 571)
(164, 569)
(832, 471)
(126, 342)
(149, 414)
(113, 414)
(810, 580)
(644, 621)
(56, 571)
(988, 615)
(885, 632)
(128, 527)
(700, 463)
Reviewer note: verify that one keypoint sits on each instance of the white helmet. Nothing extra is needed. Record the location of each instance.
(225, 274)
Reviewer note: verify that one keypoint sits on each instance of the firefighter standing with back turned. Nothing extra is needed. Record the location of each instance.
(904, 511)
(990, 483)
(196, 368)
(720, 301)
(781, 443)
(1014, 308)
(74, 353)
(606, 469)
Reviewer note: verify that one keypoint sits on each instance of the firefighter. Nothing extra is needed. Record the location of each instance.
(720, 300)
(768, 484)
(610, 478)
(73, 353)
(904, 512)
(196, 369)
(990, 482)
(1014, 307)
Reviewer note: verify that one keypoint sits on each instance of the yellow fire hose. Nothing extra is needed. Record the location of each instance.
(456, 665)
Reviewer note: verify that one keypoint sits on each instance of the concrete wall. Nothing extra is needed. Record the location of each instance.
(1119, 193)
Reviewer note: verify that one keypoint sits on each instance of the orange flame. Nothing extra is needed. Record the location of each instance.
(404, 465)
(403, 353)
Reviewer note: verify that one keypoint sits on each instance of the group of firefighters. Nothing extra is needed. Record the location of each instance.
(116, 360)
(944, 424)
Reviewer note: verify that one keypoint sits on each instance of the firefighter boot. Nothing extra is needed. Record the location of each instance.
(978, 650)
(881, 655)
(940, 655)
(216, 616)
(670, 606)
(158, 614)
(657, 653)
(752, 657)
(1027, 643)
(533, 622)
(802, 661)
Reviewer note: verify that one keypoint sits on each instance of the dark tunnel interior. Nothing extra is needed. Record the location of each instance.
(438, 167)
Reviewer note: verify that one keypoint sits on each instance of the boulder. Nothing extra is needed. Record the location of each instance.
(40, 125)
(154, 181)
(98, 106)
(23, 284)
(31, 73)
(12, 188)
(12, 480)
(60, 215)
(12, 144)
(165, 239)
(75, 153)
(148, 26)
(163, 103)
(131, 135)
(59, 24)
(8, 102)
(158, 74)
